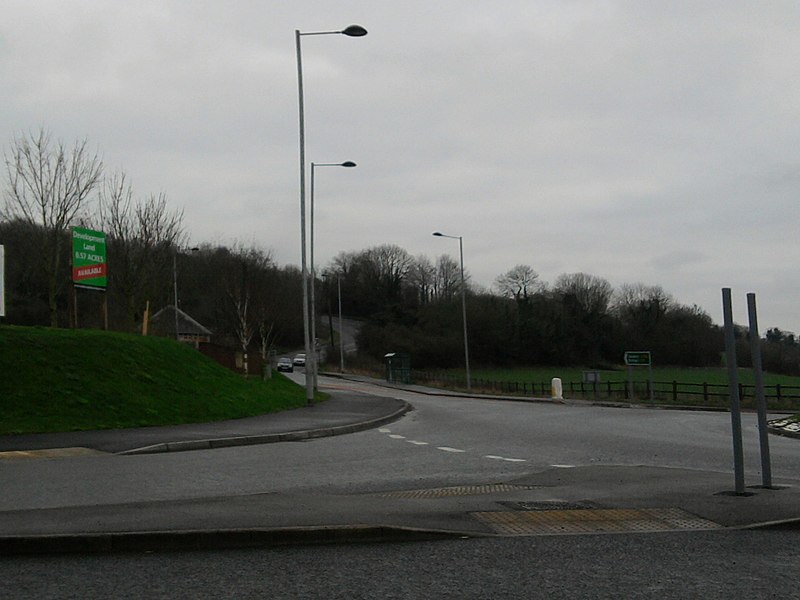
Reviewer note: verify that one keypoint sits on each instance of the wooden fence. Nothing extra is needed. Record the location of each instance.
(778, 396)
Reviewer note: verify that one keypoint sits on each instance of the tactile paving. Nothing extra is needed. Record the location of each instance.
(462, 490)
(592, 521)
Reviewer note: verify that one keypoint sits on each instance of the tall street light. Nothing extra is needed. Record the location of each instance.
(463, 300)
(351, 31)
(341, 328)
(313, 357)
(175, 283)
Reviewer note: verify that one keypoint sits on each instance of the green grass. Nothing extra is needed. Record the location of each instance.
(65, 380)
(533, 381)
(718, 376)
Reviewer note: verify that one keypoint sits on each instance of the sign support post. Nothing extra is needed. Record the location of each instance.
(89, 267)
(640, 359)
(733, 390)
(761, 401)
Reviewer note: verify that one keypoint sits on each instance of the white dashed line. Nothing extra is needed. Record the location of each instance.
(563, 466)
(493, 457)
(396, 436)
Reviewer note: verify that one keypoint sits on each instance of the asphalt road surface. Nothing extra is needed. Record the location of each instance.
(443, 442)
(707, 565)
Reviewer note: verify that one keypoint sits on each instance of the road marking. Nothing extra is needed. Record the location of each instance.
(493, 457)
(396, 436)
(563, 466)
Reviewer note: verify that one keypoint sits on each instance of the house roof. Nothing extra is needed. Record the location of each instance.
(165, 319)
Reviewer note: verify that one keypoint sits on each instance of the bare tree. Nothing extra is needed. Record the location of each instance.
(246, 291)
(591, 293)
(448, 277)
(518, 283)
(266, 338)
(422, 275)
(634, 302)
(144, 236)
(49, 185)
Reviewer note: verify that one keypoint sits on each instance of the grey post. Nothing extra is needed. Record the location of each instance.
(463, 301)
(351, 31)
(761, 402)
(314, 366)
(733, 390)
(341, 331)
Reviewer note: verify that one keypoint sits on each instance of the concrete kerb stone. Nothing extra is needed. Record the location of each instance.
(787, 427)
(161, 541)
(291, 436)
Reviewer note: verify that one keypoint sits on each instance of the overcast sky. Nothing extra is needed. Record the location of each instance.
(640, 141)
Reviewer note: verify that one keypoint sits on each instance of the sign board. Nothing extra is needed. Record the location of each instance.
(89, 268)
(637, 359)
(2, 282)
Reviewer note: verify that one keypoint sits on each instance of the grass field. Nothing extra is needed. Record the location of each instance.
(65, 380)
(718, 376)
(675, 386)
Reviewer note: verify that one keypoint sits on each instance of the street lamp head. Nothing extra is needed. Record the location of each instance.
(438, 234)
(355, 31)
(348, 163)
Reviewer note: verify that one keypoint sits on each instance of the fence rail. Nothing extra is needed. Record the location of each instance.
(778, 396)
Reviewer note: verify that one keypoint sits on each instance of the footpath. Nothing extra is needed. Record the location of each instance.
(595, 499)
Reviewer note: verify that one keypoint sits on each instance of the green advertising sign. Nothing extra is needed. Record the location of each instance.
(89, 267)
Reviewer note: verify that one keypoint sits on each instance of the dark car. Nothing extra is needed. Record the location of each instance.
(285, 364)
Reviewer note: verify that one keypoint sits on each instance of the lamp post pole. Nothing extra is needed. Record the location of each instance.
(463, 301)
(175, 289)
(341, 330)
(175, 283)
(351, 31)
(314, 362)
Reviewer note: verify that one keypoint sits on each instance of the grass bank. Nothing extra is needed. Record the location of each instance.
(65, 380)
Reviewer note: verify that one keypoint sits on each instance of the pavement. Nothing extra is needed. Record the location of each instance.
(581, 500)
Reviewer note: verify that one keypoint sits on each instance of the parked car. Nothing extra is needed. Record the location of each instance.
(285, 364)
(299, 360)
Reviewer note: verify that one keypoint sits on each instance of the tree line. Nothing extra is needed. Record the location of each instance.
(412, 304)
(408, 303)
(236, 291)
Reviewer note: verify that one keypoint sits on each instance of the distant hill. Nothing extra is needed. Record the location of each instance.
(69, 380)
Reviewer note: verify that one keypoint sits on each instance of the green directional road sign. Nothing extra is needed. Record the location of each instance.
(89, 266)
(637, 359)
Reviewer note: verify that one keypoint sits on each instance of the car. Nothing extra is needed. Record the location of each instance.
(285, 364)
(299, 360)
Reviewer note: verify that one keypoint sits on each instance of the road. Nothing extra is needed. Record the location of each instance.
(708, 565)
(443, 442)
